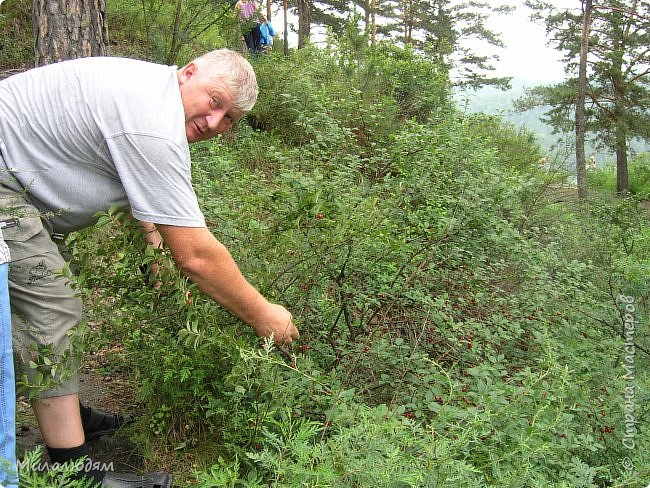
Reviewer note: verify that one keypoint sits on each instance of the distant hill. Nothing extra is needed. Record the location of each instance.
(492, 101)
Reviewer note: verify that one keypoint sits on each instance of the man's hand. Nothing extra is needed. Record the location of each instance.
(207, 262)
(277, 321)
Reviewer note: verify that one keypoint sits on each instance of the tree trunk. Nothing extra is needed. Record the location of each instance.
(581, 169)
(69, 29)
(408, 21)
(620, 126)
(268, 10)
(366, 5)
(373, 22)
(304, 22)
(285, 6)
(622, 184)
(175, 44)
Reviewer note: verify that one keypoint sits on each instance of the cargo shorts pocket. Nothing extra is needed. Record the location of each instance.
(20, 223)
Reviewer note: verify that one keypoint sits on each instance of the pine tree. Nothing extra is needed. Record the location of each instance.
(435, 27)
(68, 29)
(581, 164)
(618, 66)
(444, 25)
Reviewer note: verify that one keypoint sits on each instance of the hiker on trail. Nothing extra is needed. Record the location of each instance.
(81, 136)
(267, 33)
(248, 15)
(591, 163)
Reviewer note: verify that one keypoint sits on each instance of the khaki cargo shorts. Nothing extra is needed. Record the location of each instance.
(45, 310)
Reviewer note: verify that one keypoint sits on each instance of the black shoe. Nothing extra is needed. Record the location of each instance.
(158, 479)
(100, 423)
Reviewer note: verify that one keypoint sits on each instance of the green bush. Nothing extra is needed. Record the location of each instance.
(365, 99)
(146, 30)
(638, 177)
(450, 330)
(517, 147)
(16, 35)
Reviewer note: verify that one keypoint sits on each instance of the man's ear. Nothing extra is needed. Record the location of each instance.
(186, 72)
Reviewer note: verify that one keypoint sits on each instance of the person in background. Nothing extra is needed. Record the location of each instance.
(267, 33)
(68, 154)
(248, 15)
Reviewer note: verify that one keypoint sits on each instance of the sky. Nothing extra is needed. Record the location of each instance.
(526, 56)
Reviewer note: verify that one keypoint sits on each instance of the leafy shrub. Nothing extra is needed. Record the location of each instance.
(365, 99)
(32, 474)
(16, 35)
(449, 330)
(638, 176)
(167, 32)
(419, 86)
(517, 147)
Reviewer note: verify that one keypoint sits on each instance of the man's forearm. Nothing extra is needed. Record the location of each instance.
(219, 277)
(207, 262)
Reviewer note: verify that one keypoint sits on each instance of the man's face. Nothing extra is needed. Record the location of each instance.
(208, 105)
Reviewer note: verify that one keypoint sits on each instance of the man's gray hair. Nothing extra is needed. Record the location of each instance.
(235, 72)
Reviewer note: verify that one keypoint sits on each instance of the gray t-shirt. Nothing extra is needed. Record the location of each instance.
(83, 135)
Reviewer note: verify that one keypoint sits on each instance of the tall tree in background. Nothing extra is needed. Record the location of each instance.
(191, 19)
(337, 15)
(373, 22)
(304, 22)
(442, 34)
(441, 27)
(285, 10)
(409, 19)
(618, 66)
(68, 29)
(581, 164)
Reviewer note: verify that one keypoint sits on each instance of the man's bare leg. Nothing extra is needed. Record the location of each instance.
(60, 421)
